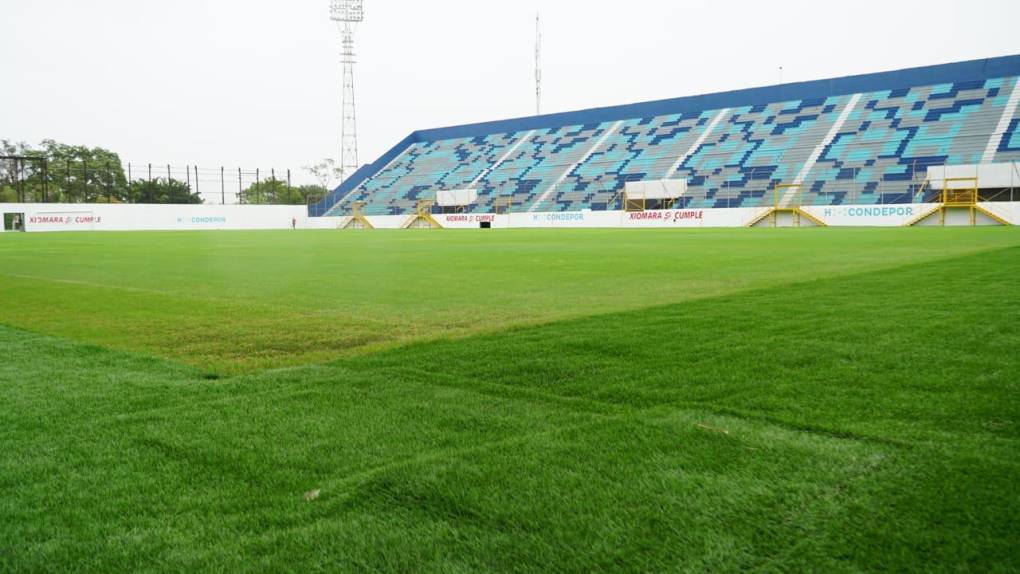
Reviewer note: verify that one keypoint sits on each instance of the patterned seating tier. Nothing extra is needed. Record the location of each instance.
(863, 146)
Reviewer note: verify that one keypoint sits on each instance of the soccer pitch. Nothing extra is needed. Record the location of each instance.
(512, 400)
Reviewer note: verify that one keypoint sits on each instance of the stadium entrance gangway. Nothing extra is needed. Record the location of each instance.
(959, 195)
(785, 212)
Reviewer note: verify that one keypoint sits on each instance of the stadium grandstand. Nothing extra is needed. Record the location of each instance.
(860, 140)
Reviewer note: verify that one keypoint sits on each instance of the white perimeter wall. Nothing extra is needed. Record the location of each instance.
(122, 217)
(836, 216)
(102, 217)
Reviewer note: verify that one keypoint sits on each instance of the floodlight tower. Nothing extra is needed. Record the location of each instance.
(347, 14)
(538, 65)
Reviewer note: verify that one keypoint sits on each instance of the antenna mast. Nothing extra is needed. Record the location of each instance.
(347, 14)
(538, 64)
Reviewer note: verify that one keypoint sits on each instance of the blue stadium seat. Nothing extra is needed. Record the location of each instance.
(865, 139)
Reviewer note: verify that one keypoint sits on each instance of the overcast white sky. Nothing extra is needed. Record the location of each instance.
(245, 83)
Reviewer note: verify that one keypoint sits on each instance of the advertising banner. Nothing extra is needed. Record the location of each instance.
(101, 217)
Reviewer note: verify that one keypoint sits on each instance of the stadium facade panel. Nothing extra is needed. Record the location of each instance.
(860, 140)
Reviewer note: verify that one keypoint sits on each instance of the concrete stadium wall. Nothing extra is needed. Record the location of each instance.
(835, 216)
(122, 217)
(102, 217)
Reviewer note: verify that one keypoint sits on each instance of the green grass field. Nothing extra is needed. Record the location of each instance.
(829, 400)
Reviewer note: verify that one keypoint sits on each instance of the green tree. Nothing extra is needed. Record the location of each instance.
(276, 192)
(16, 176)
(85, 174)
(64, 173)
(308, 193)
(162, 191)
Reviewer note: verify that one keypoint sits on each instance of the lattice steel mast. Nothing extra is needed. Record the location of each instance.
(347, 14)
(538, 65)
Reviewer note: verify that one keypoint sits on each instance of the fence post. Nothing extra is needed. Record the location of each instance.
(290, 195)
(85, 180)
(276, 184)
(46, 180)
(855, 190)
(913, 177)
(198, 191)
(881, 194)
(151, 195)
(223, 186)
(19, 179)
(1012, 183)
(258, 188)
(240, 187)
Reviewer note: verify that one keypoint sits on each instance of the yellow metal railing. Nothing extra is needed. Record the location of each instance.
(793, 207)
(960, 196)
(424, 207)
(423, 213)
(779, 192)
(503, 205)
(611, 204)
(358, 219)
(919, 193)
(633, 203)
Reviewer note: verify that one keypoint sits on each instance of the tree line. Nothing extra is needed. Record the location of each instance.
(61, 173)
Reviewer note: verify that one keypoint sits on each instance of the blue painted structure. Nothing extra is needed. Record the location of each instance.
(900, 123)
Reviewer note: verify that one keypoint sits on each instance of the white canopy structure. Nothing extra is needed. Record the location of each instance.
(656, 189)
(456, 197)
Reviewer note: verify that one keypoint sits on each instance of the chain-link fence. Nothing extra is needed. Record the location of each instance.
(28, 179)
